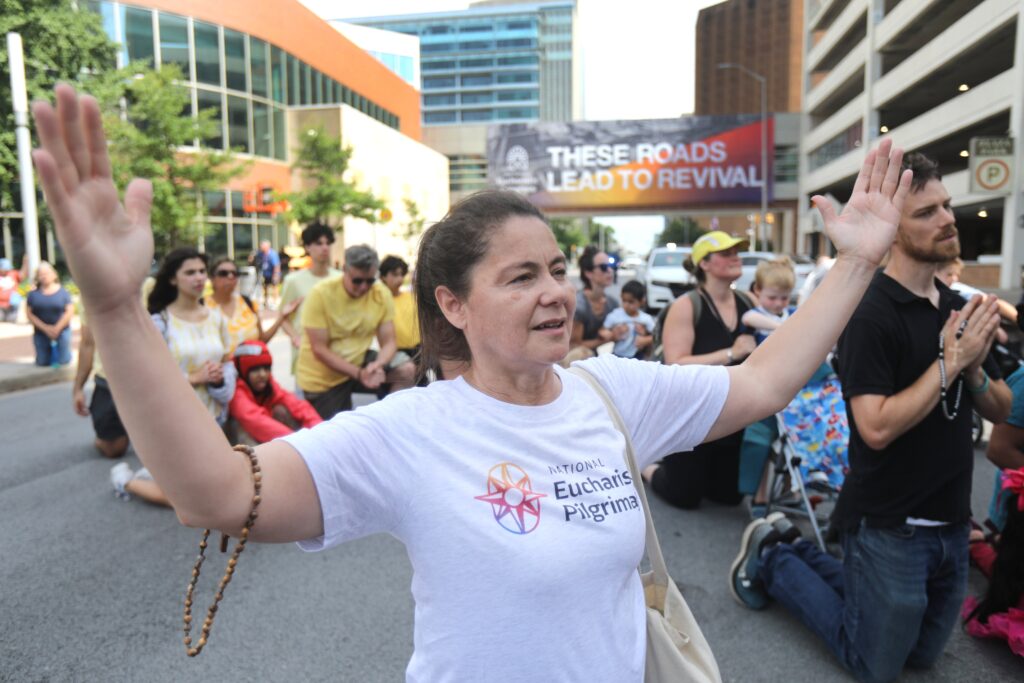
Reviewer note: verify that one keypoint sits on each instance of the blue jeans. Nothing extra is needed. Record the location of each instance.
(45, 350)
(892, 602)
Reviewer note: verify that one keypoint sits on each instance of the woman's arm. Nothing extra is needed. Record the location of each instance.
(65, 319)
(282, 319)
(1006, 446)
(109, 247)
(678, 337)
(773, 374)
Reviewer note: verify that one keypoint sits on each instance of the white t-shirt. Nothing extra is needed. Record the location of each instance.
(521, 522)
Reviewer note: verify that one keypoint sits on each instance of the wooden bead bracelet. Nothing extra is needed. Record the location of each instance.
(226, 579)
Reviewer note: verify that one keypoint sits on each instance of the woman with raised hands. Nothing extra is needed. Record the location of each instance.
(488, 479)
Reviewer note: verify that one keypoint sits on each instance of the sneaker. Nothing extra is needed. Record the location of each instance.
(744, 584)
(788, 532)
(120, 475)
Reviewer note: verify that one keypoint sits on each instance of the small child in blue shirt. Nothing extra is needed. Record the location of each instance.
(631, 327)
(773, 285)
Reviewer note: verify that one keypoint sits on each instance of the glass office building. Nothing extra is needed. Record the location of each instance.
(249, 83)
(491, 63)
(502, 63)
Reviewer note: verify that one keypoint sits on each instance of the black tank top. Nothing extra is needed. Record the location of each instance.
(711, 334)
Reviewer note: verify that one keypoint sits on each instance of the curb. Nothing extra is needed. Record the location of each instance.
(31, 378)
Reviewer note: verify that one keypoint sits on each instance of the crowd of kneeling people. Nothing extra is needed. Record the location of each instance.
(902, 519)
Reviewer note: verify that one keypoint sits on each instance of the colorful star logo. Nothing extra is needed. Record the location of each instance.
(515, 505)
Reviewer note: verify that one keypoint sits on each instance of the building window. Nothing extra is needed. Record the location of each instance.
(477, 45)
(280, 137)
(174, 42)
(439, 117)
(241, 238)
(477, 97)
(518, 113)
(261, 129)
(294, 78)
(517, 95)
(318, 86)
(439, 65)
(517, 60)
(517, 78)
(518, 25)
(476, 63)
(436, 30)
(216, 204)
(207, 53)
(258, 66)
(405, 68)
(278, 71)
(436, 83)
(517, 42)
(478, 115)
(238, 124)
(845, 142)
(434, 100)
(234, 59)
(475, 28)
(138, 34)
(481, 79)
(216, 239)
(211, 101)
(306, 84)
(437, 47)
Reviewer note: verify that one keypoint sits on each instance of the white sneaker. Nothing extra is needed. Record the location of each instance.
(120, 475)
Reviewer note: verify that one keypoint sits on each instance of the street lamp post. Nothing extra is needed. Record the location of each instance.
(764, 146)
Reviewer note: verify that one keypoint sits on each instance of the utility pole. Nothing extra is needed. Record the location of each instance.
(26, 178)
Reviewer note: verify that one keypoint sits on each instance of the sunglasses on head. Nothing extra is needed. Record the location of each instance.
(359, 281)
(605, 267)
(226, 273)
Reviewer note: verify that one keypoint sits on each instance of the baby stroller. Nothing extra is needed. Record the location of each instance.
(808, 455)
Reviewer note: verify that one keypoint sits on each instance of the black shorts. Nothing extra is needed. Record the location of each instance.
(105, 420)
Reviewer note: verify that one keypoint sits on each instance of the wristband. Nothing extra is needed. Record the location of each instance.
(984, 385)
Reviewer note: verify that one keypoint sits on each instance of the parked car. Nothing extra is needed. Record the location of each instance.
(665, 277)
(801, 264)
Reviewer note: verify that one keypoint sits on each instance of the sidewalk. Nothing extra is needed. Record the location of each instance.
(17, 359)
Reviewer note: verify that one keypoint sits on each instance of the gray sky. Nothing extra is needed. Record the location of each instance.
(638, 63)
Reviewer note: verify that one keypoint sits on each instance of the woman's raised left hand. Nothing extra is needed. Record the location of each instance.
(867, 226)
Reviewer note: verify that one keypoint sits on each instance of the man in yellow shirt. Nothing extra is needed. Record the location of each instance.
(407, 323)
(340, 319)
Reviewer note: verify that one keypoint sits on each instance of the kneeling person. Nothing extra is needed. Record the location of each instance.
(261, 408)
(340, 319)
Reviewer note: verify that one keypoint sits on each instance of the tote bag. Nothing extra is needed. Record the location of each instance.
(676, 648)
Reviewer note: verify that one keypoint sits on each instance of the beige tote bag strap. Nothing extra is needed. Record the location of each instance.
(654, 554)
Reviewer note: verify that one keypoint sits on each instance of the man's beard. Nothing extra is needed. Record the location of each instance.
(938, 253)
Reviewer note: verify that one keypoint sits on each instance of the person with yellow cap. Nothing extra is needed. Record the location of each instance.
(704, 327)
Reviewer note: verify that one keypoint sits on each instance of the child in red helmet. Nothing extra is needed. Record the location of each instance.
(262, 409)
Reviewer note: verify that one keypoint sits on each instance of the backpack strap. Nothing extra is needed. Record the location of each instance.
(697, 302)
(248, 302)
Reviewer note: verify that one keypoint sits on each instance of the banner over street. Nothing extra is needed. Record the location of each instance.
(625, 165)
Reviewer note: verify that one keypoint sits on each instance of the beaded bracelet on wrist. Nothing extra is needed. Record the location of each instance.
(257, 479)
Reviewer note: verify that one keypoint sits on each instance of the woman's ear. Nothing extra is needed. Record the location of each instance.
(453, 307)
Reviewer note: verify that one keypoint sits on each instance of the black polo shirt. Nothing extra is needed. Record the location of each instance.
(891, 340)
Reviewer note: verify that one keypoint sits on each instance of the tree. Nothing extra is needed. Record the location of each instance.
(323, 160)
(680, 230)
(597, 229)
(146, 138)
(60, 44)
(568, 234)
(414, 225)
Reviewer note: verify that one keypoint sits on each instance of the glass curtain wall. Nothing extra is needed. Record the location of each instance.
(247, 84)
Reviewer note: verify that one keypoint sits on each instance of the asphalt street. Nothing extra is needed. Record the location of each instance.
(93, 586)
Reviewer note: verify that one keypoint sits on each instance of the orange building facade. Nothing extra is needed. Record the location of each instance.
(253, 63)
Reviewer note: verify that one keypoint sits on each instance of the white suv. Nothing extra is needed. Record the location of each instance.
(666, 278)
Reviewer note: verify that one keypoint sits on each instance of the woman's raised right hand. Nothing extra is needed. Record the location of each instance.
(108, 245)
